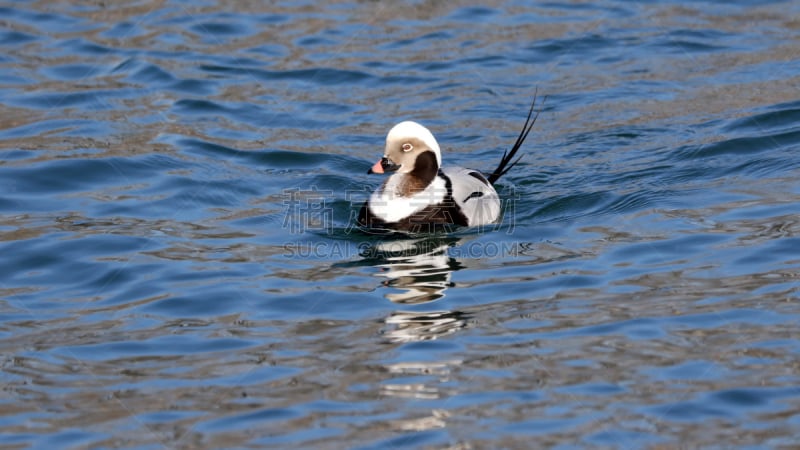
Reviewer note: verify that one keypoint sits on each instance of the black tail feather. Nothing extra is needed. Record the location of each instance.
(509, 155)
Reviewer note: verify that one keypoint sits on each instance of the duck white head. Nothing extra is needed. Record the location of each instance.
(409, 145)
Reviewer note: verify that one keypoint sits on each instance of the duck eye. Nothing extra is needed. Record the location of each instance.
(407, 147)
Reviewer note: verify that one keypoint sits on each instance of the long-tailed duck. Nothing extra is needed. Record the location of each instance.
(423, 196)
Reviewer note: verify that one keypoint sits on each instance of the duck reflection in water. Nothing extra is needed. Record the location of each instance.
(419, 271)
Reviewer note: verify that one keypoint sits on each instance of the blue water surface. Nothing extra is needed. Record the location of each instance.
(179, 265)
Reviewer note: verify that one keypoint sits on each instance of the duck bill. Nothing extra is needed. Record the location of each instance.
(383, 166)
(377, 168)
